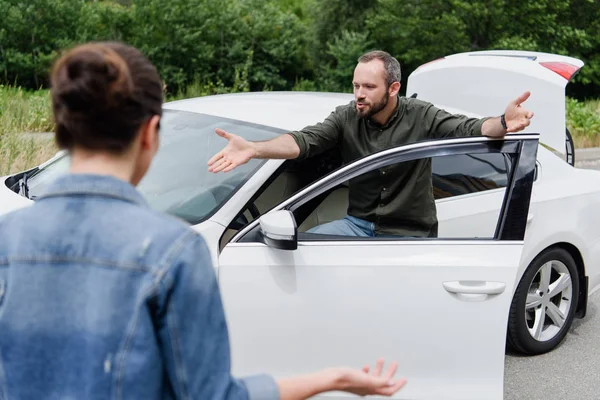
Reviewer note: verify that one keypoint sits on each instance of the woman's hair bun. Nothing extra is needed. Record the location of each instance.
(91, 77)
(102, 93)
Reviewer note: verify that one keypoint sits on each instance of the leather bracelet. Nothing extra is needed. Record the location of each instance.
(503, 122)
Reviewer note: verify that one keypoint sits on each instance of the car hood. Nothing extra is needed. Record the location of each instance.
(9, 200)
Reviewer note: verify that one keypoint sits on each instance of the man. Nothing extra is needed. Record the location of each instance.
(395, 200)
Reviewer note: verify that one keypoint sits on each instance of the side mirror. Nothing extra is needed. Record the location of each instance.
(279, 230)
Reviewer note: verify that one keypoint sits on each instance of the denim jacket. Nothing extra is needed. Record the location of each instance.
(103, 298)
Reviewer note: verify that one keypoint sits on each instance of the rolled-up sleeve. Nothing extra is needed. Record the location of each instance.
(192, 330)
(315, 139)
(440, 123)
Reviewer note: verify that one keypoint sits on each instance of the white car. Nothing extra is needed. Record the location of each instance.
(516, 254)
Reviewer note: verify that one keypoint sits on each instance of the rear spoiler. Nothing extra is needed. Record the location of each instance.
(482, 84)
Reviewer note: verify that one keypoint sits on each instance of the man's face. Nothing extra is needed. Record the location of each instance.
(370, 89)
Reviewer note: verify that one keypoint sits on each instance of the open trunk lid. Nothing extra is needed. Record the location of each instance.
(483, 83)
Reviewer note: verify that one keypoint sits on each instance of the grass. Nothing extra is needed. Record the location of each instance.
(29, 112)
(583, 121)
(19, 152)
(22, 112)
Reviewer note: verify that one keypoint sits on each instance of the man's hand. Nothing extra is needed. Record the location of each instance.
(237, 152)
(516, 117)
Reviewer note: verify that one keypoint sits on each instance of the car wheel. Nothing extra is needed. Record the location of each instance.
(544, 303)
(570, 147)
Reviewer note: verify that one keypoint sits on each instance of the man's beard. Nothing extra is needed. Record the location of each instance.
(374, 108)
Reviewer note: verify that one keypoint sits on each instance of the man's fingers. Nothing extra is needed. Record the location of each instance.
(522, 98)
(221, 166)
(222, 133)
(218, 163)
(214, 158)
(230, 167)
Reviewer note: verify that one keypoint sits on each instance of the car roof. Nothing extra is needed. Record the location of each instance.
(284, 110)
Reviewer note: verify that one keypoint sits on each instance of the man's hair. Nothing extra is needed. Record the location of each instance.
(391, 65)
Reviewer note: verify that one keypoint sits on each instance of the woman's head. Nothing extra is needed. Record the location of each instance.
(107, 99)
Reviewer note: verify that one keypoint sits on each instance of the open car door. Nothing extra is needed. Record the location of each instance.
(300, 302)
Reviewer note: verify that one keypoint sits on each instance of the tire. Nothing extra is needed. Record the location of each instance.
(524, 335)
(570, 147)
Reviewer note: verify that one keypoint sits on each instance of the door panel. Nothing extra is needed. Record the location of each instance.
(349, 303)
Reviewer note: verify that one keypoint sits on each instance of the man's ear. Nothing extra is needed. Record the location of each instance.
(394, 89)
(149, 134)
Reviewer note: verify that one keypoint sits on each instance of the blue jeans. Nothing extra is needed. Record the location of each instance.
(347, 226)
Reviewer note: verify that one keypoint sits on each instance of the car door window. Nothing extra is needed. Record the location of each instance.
(462, 174)
(414, 214)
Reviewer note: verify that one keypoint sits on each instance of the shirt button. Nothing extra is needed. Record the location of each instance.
(380, 205)
(382, 172)
(384, 189)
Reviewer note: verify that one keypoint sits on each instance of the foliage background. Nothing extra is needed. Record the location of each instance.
(206, 47)
(238, 45)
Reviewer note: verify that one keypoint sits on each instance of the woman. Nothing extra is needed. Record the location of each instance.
(102, 297)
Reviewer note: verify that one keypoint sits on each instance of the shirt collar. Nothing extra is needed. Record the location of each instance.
(94, 185)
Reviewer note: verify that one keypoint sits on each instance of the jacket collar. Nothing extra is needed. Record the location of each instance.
(93, 185)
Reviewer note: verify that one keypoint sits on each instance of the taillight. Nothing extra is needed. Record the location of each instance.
(565, 70)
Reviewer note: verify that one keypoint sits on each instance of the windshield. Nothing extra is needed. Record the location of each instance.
(178, 181)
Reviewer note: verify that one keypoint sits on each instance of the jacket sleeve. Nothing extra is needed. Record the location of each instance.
(192, 330)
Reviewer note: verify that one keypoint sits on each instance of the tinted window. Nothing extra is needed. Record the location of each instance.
(178, 181)
(469, 173)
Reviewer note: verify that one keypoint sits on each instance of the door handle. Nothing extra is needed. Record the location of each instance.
(474, 287)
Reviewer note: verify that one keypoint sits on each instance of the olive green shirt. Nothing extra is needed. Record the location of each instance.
(398, 199)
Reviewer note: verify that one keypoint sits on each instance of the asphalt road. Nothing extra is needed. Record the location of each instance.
(569, 372)
(588, 164)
